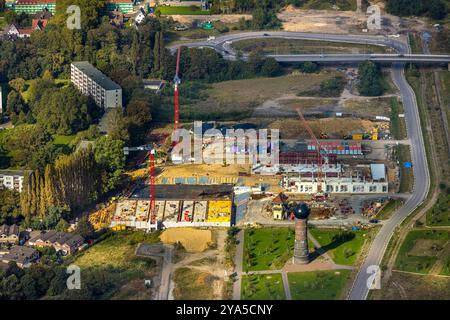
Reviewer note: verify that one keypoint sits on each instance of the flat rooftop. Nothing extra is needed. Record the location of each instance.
(187, 192)
(96, 75)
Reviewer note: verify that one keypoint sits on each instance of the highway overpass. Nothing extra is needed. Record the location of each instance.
(351, 58)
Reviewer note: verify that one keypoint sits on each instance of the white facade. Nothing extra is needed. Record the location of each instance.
(140, 17)
(91, 82)
(333, 185)
(12, 180)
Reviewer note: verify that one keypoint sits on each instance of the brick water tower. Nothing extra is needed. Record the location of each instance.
(301, 250)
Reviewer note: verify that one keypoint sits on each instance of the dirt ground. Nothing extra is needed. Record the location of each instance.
(336, 128)
(329, 21)
(426, 247)
(193, 240)
(408, 286)
(221, 174)
(300, 20)
(206, 271)
(226, 18)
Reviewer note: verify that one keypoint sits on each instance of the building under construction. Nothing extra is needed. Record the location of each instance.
(344, 179)
(178, 206)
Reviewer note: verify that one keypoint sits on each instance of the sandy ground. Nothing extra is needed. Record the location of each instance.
(193, 240)
(294, 19)
(211, 261)
(226, 18)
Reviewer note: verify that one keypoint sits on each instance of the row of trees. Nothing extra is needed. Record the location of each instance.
(73, 182)
(59, 110)
(436, 9)
(371, 82)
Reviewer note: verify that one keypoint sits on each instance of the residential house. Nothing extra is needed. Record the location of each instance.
(9, 234)
(31, 6)
(21, 255)
(65, 242)
(43, 15)
(278, 207)
(140, 16)
(12, 179)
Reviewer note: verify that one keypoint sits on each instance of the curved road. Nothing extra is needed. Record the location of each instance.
(360, 289)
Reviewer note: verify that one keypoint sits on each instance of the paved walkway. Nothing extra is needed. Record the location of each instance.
(238, 260)
(322, 262)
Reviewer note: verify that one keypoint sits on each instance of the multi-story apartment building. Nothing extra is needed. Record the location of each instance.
(125, 6)
(12, 179)
(31, 6)
(91, 82)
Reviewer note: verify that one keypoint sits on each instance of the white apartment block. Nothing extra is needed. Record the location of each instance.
(12, 179)
(91, 82)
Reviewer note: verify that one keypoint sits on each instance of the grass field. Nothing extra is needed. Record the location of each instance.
(193, 284)
(117, 251)
(318, 285)
(237, 99)
(167, 10)
(408, 286)
(398, 126)
(262, 287)
(402, 154)
(418, 251)
(292, 46)
(439, 215)
(268, 248)
(343, 247)
(115, 260)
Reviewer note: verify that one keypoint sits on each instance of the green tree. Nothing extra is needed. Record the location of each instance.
(84, 228)
(62, 225)
(110, 158)
(270, 67)
(370, 79)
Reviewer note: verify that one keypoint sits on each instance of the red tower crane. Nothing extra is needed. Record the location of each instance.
(176, 83)
(318, 149)
(151, 157)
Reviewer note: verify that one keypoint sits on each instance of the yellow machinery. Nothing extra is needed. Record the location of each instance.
(219, 211)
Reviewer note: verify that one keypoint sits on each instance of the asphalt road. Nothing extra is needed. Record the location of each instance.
(360, 288)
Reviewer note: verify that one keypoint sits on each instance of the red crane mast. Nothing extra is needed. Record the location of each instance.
(318, 148)
(176, 83)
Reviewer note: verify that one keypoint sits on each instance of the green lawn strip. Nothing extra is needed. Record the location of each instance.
(63, 140)
(342, 246)
(388, 209)
(268, 248)
(318, 285)
(398, 126)
(402, 154)
(290, 46)
(167, 10)
(419, 263)
(262, 287)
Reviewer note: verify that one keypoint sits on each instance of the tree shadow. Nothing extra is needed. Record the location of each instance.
(337, 241)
